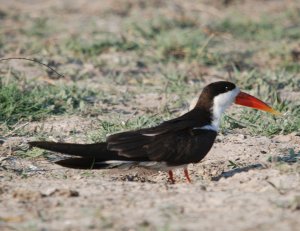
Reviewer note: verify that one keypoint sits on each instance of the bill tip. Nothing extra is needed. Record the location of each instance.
(277, 113)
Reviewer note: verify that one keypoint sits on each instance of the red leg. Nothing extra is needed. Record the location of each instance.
(171, 178)
(186, 174)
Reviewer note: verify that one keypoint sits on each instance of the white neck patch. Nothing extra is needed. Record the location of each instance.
(208, 127)
(221, 103)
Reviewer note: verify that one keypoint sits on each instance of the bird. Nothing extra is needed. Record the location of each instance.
(171, 144)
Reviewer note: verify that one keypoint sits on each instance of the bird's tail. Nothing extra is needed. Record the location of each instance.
(92, 155)
(84, 150)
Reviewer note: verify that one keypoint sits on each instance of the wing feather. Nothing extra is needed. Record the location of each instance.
(158, 143)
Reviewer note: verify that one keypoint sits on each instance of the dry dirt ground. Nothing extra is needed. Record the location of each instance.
(247, 182)
(258, 195)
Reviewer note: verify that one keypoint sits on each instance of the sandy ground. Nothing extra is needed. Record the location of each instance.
(258, 195)
(260, 192)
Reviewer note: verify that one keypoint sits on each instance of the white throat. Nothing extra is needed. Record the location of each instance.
(221, 103)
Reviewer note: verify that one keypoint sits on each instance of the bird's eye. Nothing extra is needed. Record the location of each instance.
(226, 88)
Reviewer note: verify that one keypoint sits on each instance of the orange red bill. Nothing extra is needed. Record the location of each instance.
(247, 100)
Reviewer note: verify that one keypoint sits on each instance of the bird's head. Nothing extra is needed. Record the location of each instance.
(218, 96)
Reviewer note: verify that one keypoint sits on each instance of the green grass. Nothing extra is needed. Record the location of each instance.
(99, 46)
(262, 124)
(266, 29)
(169, 39)
(150, 29)
(166, 54)
(181, 44)
(30, 102)
(39, 28)
(31, 153)
(233, 165)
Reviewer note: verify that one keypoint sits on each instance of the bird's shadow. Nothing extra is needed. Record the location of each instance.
(232, 172)
(81, 163)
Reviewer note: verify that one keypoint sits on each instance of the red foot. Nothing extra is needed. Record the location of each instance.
(186, 174)
(171, 178)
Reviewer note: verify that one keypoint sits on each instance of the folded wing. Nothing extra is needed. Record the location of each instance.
(164, 142)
